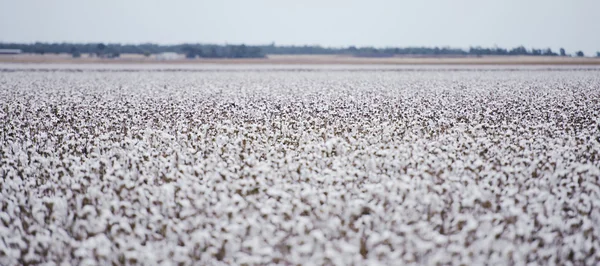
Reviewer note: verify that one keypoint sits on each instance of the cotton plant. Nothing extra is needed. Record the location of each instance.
(329, 166)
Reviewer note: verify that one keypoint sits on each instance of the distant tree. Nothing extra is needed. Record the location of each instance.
(241, 51)
(190, 51)
(74, 52)
(580, 54)
(548, 52)
(147, 54)
(518, 51)
(562, 52)
(212, 52)
(597, 54)
(100, 49)
(500, 51)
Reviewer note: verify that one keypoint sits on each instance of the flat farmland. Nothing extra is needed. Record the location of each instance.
(309, 165)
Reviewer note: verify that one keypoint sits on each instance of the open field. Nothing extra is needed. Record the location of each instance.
(310, 59)
(310, 165)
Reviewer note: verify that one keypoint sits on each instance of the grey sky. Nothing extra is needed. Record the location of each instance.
(573, 24)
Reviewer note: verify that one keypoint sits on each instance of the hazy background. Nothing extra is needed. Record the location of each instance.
(574, 25)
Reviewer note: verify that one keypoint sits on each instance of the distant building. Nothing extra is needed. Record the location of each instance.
(10, 51)
(168, 56)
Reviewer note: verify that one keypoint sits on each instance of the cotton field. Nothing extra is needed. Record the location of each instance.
(299, 166)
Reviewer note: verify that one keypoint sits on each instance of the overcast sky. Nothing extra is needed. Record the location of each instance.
(572, 24)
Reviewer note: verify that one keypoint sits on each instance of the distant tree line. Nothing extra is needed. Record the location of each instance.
(115, 50)
(414, 51)
(244, 51)
(362, 51)
(220, 51)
